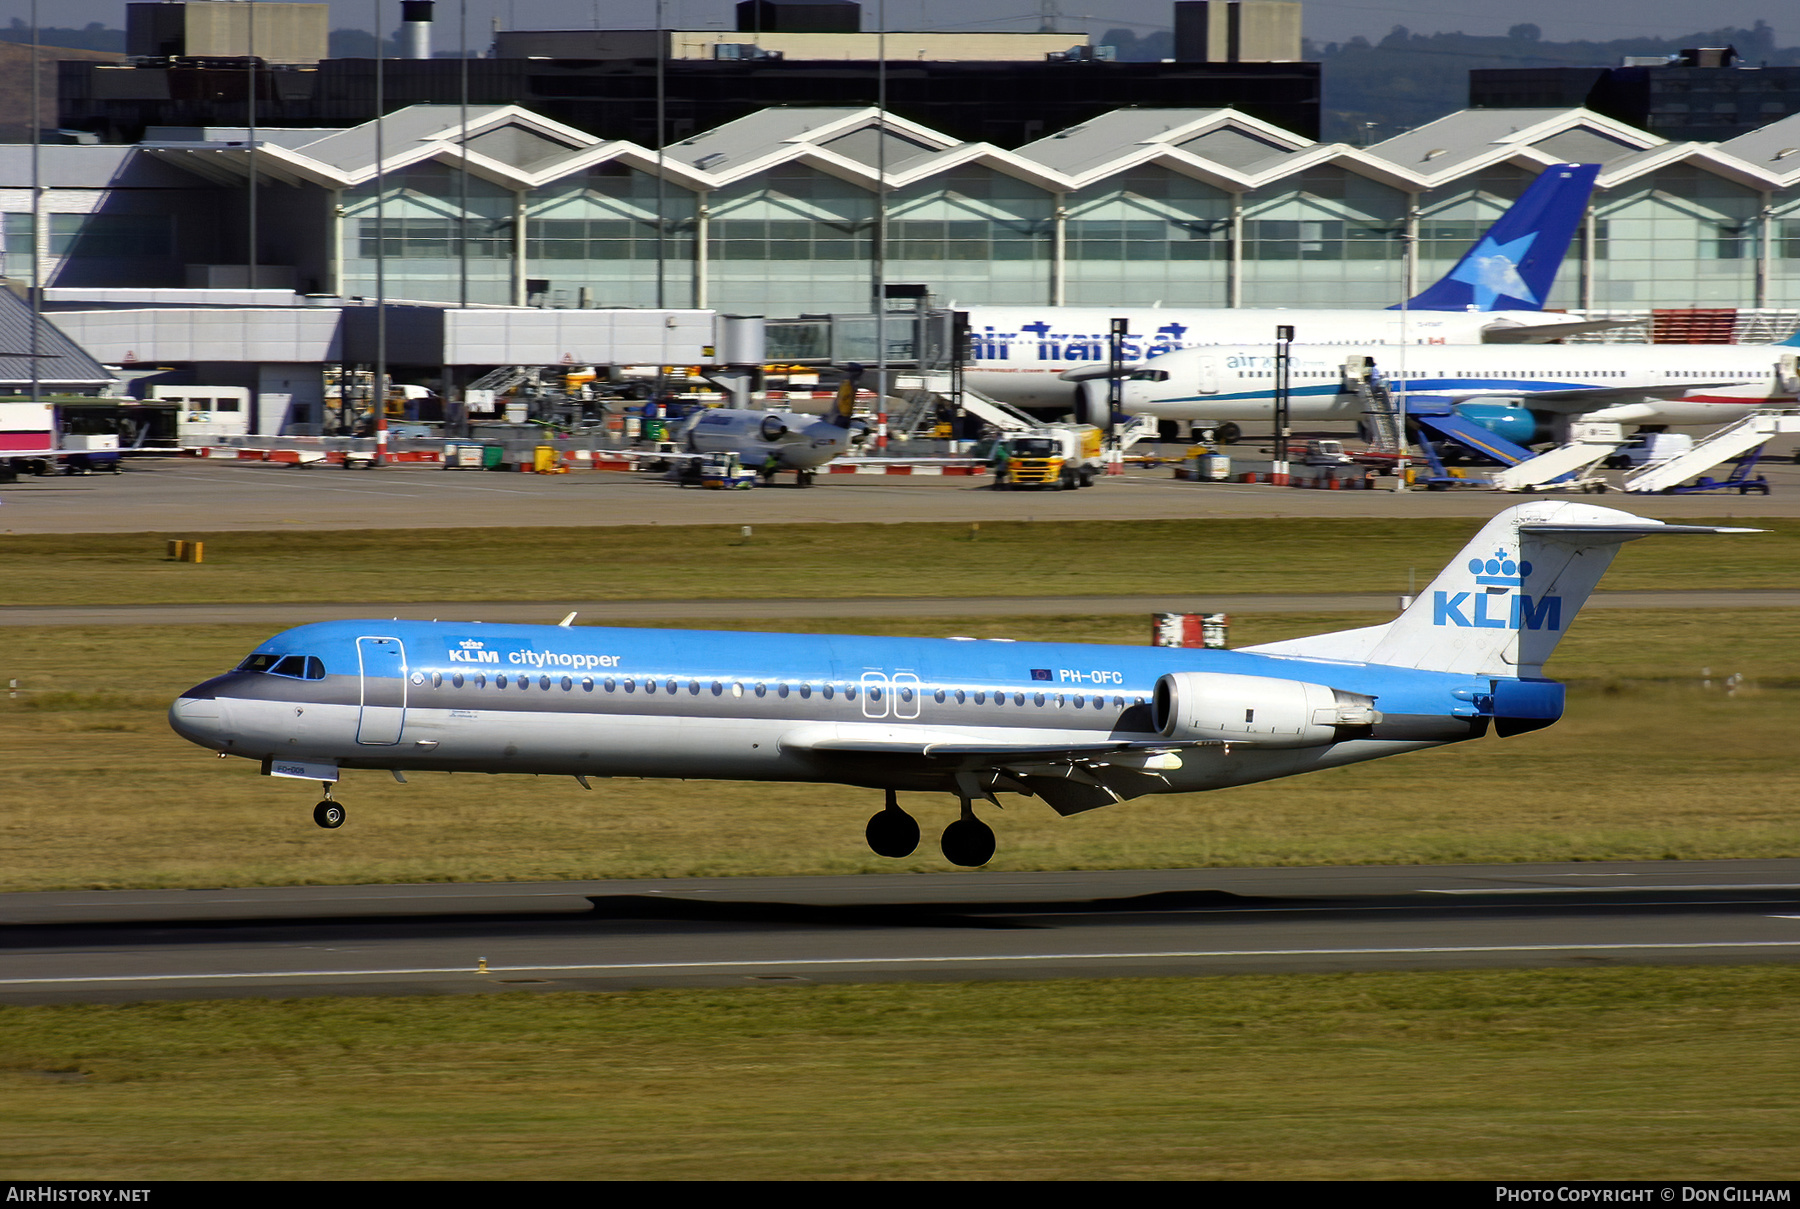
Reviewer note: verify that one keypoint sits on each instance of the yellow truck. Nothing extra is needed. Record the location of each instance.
(1061, 457)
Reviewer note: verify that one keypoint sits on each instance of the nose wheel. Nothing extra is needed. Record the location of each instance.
(329, 814)
(893, 832)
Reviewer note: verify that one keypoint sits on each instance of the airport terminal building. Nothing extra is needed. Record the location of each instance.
(782, 212)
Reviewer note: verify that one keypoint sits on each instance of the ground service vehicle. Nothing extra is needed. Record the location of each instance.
(1061, 457)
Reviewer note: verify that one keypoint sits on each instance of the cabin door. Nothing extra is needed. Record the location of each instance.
(383, 712)
(1206, 376)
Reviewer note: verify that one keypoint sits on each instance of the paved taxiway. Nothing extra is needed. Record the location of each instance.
(592, 612)
(179, 495)
(432, 939)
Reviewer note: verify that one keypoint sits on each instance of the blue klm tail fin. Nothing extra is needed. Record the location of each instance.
(1515, 263)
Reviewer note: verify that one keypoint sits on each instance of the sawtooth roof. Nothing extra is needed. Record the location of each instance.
(1238, 153)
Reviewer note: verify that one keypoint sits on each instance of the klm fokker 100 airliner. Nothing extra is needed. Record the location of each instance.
(1078, 726)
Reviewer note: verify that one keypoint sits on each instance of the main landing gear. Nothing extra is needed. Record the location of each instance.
(968, 841)
(893, 832)
(329, 814)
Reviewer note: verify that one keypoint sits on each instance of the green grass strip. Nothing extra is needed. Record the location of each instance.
(1000, 558)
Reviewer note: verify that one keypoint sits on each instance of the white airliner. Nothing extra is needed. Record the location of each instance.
(1495, 293)
(1077, 726)
(1523, 393)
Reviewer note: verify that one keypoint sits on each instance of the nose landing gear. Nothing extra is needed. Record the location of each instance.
(329, 814)
(893, 832)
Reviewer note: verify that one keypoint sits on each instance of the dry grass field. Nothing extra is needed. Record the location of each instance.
(1608, 1074)
(651, 562)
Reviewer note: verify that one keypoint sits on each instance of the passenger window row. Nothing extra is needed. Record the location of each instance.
(761, 688)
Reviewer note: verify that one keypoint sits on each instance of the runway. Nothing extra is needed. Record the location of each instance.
(590, 612)
(608, 936)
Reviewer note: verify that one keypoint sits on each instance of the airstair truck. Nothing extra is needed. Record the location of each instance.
(1058, 456)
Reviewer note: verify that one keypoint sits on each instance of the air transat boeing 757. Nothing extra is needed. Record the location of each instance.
(1077, 726)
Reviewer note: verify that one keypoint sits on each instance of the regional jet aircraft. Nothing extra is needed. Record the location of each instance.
(1494, 294)
(799, 443)
(1077, 726)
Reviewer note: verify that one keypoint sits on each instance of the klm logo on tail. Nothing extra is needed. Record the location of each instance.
(1498, 601)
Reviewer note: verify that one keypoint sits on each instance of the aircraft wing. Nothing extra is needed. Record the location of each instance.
(1586, 398)
(650, 455)
(955, 752)
(1099, 369)
(1538, 333)
(1070, 778)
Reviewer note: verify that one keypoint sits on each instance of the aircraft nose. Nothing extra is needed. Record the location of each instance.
(198, 720)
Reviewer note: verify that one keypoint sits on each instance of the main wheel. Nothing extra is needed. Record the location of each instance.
(329, 815)
(969, 843)
(1229, 433)
(893, 833)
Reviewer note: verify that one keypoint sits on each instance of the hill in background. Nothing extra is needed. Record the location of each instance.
(1408, 79)
(15, 82)
(1373, 90)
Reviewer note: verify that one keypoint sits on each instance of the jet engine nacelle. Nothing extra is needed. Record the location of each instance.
(1092, 406)
(1259, 710)
(1507, 418)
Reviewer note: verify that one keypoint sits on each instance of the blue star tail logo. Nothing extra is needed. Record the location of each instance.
(1492, 271)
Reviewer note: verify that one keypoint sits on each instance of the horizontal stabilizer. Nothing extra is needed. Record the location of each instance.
(1596, 534)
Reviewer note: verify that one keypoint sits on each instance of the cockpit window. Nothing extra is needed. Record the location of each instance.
(300, 667)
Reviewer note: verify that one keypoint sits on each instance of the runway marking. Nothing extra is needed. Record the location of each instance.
(419, 489)
(1616, 889)
(630, 967)
(970, 908)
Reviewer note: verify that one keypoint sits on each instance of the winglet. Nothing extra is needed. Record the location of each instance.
(566, 622)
